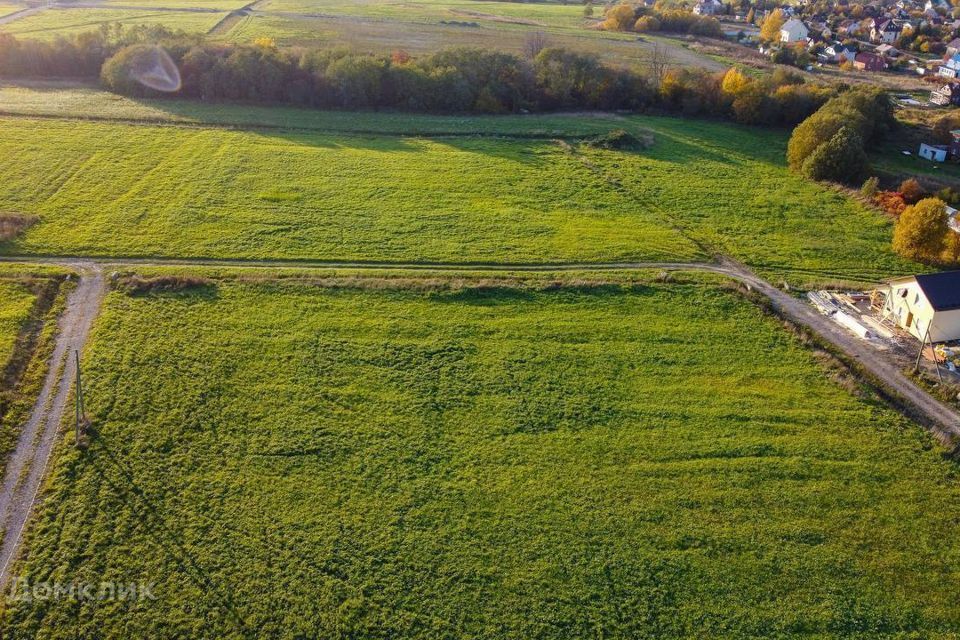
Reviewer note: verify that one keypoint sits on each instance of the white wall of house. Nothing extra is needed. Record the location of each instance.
(929, 152)
(908, 307)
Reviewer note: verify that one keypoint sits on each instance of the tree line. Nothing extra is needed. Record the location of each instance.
(465, 80)
(458, 80)
(78, 56)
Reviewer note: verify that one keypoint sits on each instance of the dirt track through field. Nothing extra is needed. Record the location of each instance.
(27, 464)
(26, 468)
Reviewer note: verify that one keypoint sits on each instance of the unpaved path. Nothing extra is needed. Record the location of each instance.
(28, 462)
(26, 468)
(17, 15)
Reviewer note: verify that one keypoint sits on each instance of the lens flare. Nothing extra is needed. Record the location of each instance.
(155, 69)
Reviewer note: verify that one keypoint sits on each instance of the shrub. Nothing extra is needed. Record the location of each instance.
(136, 285)
(620, 18)
(911, 191)
(734, 81)
(842, 158)
(813, 132)
(921, 232)
(646, 24)
(869, 188)
(949, 195)
(706, 26)
(891, 202)
(866, 114)
(620, 140)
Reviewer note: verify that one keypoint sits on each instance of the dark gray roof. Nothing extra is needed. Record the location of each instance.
(942, 289)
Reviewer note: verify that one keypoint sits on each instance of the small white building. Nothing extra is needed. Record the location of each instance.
(793, 30)
(928, 306)
(933, 152)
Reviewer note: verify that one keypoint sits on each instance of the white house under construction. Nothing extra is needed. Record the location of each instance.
(928, 306)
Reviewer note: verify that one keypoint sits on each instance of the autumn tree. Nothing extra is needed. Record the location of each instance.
(770, 29)
(951, 250)
(620, 18)
(921, 232)
(734, 82)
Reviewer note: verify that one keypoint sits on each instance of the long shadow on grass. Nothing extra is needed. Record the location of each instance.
(171, 542)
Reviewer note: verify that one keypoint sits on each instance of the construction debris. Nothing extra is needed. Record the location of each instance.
(853, 310)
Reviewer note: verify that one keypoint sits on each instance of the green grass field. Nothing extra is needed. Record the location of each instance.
(221, 5)
(641, 461)
(504, 14)
(114, 189)
(419, 38)
(51, 23)
(214, 193)
(16, 301)
(81, 101)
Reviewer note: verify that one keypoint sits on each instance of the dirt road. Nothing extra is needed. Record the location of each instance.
(27, 464)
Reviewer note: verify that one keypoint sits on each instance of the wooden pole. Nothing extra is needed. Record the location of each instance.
(916, 366)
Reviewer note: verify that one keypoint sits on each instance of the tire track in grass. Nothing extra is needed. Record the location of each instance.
(667, 218)
(27, 465)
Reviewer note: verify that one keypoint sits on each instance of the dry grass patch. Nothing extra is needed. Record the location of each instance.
(13, 224)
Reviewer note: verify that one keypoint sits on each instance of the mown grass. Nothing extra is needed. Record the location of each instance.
(702, 188)
(121, 190)
(284, 460)
(53, 22)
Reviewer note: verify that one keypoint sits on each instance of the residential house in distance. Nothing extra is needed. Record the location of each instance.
(819, 30)
(794, 30)
(885, 31)
(933, 152)
(708, 8)
(928, 306)
(887, 51)
(950, 67)
(837, 52)
(946, 95)
(955, 143)
(953, 47)
(865, 61)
